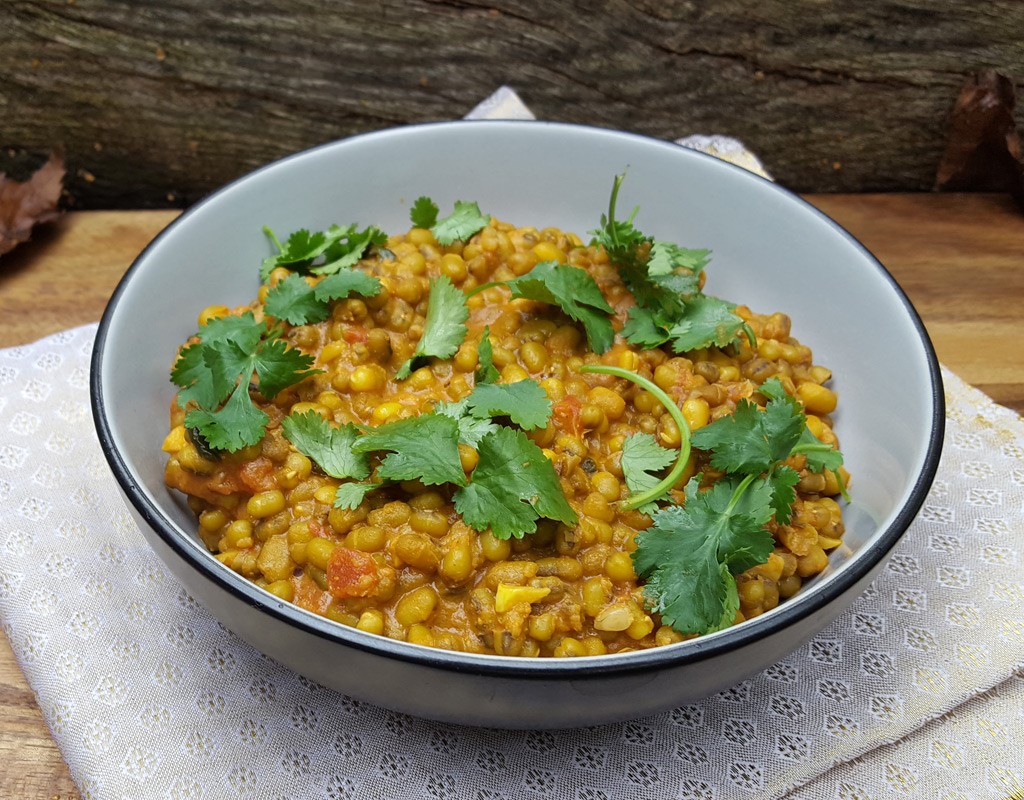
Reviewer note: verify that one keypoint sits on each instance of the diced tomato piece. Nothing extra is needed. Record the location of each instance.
(354, 333)
(258, 474)
(351, 573)
(566, 414)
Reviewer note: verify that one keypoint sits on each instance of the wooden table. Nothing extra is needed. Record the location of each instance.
(960, 258)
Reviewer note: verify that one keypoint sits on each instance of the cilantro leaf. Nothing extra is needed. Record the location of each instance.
(298, 303)
(209, 385)
(297, 252)
(783, 481)
(295, 301)
(424, 448)
(820, 456)
(339, 246)
(691, 553)
(644, 328)
(524, 402)
(347, 248)
(235, 426)
(346, 282)
(486, 372)
(667, 257)
(279, 366)
(685, 284)
(471, 429)
(575, 292)
(512, 486)
(664, 279)
(423, 213)
(329, 446)
(205, 386)
(619, 238)
(444, 328)
(461, 224)
(220, 367)
(351, 495)
(641, 457)
(749, 440)
(201, 385)
(705, 321)
(658, 490)
(242, 329)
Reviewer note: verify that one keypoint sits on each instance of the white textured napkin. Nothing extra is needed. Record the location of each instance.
(916, 691)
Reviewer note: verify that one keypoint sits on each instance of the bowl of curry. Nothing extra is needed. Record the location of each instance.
(567, 435)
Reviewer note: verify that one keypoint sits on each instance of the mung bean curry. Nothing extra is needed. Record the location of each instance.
(506, 440)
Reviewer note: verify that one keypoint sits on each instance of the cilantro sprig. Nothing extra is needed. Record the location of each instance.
(331, 447)
(524, 402)
(423, 448)
(664, 279)
(464, 221)
(444, 328)
(642, 459)
(295, 301)
(643, 497)
(486, 372)
(461, 224)
(691, 555)
(573, 290)
(323, 252)
(214, 376)
(512, 485)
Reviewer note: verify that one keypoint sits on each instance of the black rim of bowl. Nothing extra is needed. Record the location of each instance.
(510, 666)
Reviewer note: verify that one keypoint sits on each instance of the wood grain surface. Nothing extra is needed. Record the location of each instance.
(158, 103)
(960, 258)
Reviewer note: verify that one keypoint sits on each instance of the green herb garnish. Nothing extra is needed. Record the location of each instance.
(330, 446)
(642, 457)
(486, 372)
(295, 301)
(574, 291)
(215, 374)
(423, 213)
(512, 486)
(690, 556)
(661, 488)
(524, 402)
(321, 253)
(444, 329)
(664, 280)
(423, 448)
(460, 225)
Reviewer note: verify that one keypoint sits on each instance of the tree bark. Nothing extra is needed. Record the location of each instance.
(156, 103)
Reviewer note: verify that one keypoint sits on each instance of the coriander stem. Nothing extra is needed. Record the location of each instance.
(484, 287)
(751, 336)
(738, 493)
(669, 480)
(819, 447)
(273, 238)
(611, 209)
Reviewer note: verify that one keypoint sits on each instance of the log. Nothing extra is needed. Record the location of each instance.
(156, 104)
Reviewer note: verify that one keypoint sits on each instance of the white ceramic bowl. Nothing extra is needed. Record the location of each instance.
(771, 251)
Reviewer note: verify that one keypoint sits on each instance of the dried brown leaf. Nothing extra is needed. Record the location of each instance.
(983, 151)
(26, 204)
